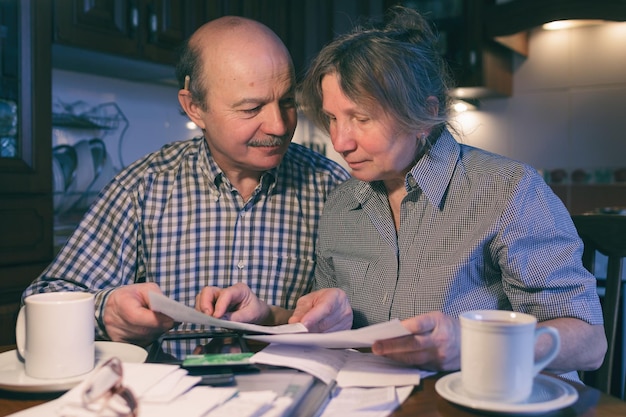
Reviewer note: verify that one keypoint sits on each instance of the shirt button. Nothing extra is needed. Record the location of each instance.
(241, 264)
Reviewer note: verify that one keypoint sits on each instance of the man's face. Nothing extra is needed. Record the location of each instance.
(251, 113)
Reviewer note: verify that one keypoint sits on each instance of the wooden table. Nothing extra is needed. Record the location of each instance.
(423, 402)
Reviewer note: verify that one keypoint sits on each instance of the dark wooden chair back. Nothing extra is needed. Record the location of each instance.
(606, 233)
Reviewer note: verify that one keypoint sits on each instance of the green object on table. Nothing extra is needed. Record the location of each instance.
(218, 359)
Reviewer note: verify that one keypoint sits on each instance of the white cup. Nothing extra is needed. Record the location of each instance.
(498, 354)
(55, 334)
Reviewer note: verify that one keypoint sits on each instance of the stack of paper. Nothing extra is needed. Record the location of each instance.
(161, 390)
(366, 385)
(348, 368)
(166, 390)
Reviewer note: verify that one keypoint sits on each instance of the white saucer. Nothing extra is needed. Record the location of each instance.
(548, 394)
(13, 377)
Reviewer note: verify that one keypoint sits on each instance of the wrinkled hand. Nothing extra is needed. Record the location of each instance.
(127, 316)
(325, 310)
(434, 343)
(236, 303)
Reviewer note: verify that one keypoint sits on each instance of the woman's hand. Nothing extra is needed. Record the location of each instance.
(325, 310)
(434, 343)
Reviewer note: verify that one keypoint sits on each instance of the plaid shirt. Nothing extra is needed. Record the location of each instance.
(477, 231)
(173, 218)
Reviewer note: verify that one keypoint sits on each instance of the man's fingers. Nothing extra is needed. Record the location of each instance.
(206, 300)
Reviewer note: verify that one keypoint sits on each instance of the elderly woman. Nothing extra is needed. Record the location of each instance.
(428, 228)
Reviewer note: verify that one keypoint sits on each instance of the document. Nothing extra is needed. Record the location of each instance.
(344, 339)
(366, 402)
(184, 314)
(345, 367)
(293, 334)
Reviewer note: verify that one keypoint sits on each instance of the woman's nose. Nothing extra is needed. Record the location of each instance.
(341, 138)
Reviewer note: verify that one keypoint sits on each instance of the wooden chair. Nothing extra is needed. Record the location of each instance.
(606, 233)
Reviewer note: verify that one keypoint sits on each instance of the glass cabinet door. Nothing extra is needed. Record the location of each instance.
(25, 152)
(9, 79)
(25, 96)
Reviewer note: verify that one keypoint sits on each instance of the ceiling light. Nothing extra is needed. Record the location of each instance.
(569, 24)
(461, 106)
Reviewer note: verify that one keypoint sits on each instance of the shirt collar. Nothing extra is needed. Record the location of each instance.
(216, 175)
(431, 174)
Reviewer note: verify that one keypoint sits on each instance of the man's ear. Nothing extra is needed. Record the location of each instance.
(193, 110)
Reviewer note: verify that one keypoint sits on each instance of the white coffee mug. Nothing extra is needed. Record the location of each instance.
(498, 354)
(55, 334)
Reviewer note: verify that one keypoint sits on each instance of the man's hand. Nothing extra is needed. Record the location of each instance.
(128, 318)
(325, 310)
(434, 343)
(236, 303)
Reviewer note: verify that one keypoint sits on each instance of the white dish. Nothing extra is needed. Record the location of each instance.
(548, 394)
(14, 378)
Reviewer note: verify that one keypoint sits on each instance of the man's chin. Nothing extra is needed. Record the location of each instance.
(268, 160)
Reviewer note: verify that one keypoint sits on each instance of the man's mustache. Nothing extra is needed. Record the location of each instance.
(269, 141)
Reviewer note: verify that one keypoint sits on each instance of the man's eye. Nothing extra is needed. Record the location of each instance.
(252, 110)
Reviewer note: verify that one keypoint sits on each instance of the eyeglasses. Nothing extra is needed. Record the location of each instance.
(105, 395)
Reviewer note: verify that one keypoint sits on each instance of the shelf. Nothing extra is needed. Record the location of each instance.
(83, 122)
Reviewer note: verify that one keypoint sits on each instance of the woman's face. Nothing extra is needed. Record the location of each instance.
(371, 142)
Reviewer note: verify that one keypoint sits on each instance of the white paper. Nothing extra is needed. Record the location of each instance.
(357, 338)
(184, 314)
(369, 370)
(348, 368)
(366, 402)
(246, 404)
(143, 379)
(319, 362)
(177, 383)
(278, 408)
(363, 399)
(194, 403)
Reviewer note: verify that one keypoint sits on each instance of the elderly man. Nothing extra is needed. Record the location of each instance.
(239, 205)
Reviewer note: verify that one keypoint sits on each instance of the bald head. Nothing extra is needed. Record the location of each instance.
(230, 31)
(225, 46)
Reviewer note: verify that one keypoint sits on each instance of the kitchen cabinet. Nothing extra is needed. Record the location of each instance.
(139, 39)
(148, 30)
(481, 67)
(25, 170)
(303, 25)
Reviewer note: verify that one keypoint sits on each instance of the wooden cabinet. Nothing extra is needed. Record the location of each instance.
(25, 185)
(481, 66)
(151, 31)
(148, 30)
(303, 25)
